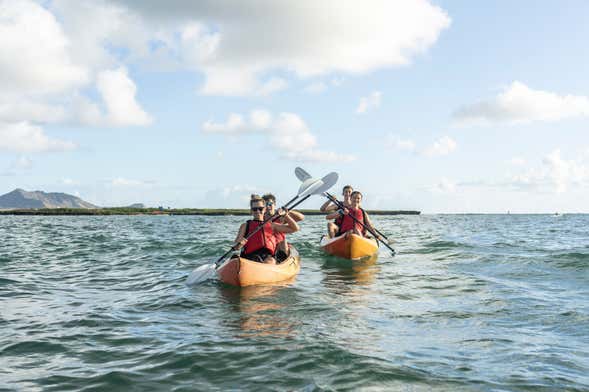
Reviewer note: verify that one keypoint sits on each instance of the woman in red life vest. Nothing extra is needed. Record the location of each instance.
(282, 250)
(349, 225)
(328, 206)
(262, 245)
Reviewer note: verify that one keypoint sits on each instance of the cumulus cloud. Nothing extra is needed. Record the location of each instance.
(555, 175)
(35, 60)
(443, 146)
(118, 93)
(520, 104)
(302, 38)
(23, 137)
(370, 102)
(287, 132)
(48, 72)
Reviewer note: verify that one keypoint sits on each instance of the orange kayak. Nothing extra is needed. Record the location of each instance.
(239, 271)
(351, 247)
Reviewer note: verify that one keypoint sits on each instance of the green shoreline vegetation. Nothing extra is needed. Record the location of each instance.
(174, 211)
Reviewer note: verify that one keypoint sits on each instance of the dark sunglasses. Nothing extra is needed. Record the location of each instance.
(269, 204)
(258, 209)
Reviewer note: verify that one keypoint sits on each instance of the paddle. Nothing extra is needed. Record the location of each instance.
(341, 206)
(313, 187)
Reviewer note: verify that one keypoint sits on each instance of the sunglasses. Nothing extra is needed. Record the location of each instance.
(258, 209)
(269, 204)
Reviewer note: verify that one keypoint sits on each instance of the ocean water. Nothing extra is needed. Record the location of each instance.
(470, 303)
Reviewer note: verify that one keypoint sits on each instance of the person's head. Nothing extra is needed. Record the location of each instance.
(270, 201)
(356, 198)
(257, 206)
(347, 191)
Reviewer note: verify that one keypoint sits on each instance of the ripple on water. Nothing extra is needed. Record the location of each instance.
(482, 302)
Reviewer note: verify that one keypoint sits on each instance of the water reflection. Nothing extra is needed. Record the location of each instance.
(261, 309)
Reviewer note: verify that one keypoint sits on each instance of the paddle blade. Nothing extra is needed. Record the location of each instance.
(200, 274)
(301, 174)
(309, 184)
(328, 181)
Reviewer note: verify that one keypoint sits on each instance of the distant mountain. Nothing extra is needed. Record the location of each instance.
(137, 205)
(20, 198)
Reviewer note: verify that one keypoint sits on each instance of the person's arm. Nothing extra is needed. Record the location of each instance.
(290, 226)
(240, 239)
(333, 215)
(328, 207)
(296, 215)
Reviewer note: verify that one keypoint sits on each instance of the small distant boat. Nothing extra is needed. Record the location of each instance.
(239, 271)
(351, 247)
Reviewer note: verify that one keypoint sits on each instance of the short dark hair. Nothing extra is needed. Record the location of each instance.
(357, 193)
(269, 197)
(347, 187)
(255, 198)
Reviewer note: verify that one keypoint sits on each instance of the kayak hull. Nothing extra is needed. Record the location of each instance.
(239, 271)
(351, 247)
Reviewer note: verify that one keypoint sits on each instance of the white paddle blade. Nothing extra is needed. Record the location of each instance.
(312, 188)
(328, 181)
(200, 274)
(306, 184)
(301, 174)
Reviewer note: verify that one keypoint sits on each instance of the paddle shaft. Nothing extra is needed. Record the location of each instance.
(341, 206)
(218, 262)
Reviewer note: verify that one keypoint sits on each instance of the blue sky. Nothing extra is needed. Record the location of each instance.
(438, 106)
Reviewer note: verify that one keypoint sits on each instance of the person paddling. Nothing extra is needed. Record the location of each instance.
(348, 224)
(262, 245)
(282, 250)
(329, 206)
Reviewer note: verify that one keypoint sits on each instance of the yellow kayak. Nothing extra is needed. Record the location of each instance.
(350, 246)
(239, 271)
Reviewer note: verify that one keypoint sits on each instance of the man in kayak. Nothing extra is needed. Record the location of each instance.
(262, 245)
(348, 224)
(329, 206)
(282, 250)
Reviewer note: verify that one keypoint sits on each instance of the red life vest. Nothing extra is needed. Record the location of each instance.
(338, 220)
(263, 239)
(348, 223)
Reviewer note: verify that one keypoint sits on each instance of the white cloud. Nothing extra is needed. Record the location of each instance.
(443, 146)
(370, 102)
(118, 92)
(297, 37)
(521, 104)
(27, 138)
(556, 175)
(396, 143)
(287, 132)
(34, 57)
